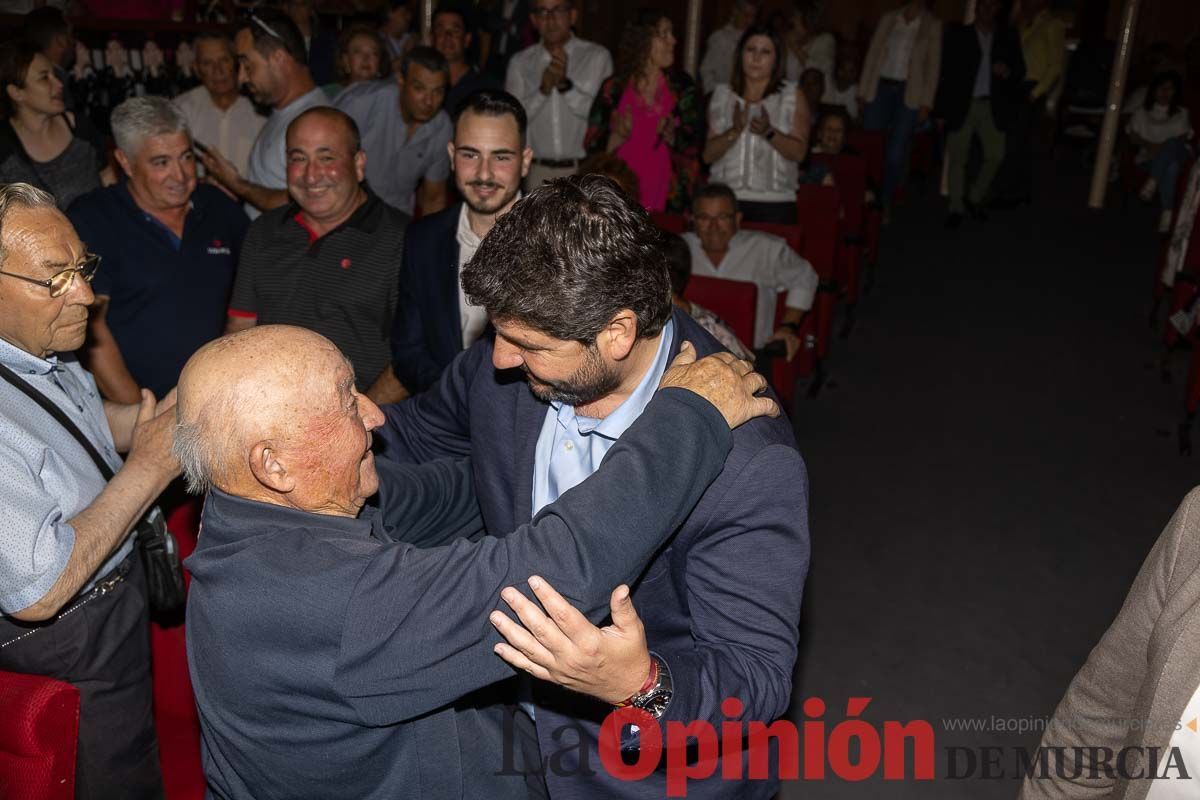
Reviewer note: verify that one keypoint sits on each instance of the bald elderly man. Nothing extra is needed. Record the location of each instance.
(328, 640)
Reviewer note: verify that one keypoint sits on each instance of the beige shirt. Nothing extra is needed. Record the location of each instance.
(898, 51)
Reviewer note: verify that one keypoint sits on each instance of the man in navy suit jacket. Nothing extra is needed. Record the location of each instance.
(433, 321)
(576, 287)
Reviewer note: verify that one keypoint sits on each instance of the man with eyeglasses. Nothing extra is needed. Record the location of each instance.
(273, 65)
(557, 80)
(721, 250)
(72, 589)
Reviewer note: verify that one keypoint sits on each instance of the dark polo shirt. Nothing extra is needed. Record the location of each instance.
(343, 285)
(168, 295)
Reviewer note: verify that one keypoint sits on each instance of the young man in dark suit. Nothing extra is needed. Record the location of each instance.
(434, 321)
(981, 87)
(575, 284)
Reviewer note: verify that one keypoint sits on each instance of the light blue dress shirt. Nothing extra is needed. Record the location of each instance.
(46, 477)
(571, 447)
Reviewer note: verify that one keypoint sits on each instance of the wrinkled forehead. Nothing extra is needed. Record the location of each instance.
(42, 237)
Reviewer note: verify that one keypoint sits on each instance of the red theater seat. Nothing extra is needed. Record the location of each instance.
(732, 301)
(675, 223)
(817, 211)
(39, 729)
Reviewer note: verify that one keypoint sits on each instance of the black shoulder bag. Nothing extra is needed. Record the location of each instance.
(160, 555)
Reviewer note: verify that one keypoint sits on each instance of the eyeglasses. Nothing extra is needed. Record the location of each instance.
(546, 12)
(61, 282)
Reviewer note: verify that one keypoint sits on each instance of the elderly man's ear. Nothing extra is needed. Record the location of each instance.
(268, 470)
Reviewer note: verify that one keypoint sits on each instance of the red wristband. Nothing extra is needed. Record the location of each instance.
(651, 679)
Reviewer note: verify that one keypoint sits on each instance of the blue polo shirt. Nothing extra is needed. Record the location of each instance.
(167, 295)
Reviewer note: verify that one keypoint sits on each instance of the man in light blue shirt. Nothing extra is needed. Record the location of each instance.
(571, 446)
(72, 591)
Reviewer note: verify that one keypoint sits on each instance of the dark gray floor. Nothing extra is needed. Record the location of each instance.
(994, 459)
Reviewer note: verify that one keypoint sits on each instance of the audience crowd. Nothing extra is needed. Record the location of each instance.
(332, 237)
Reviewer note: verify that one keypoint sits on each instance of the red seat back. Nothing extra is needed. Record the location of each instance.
(872, 146)
(39, 731)
(791, 233)
(675, 223)
(817, 212)
(850, 180)
(732, 301)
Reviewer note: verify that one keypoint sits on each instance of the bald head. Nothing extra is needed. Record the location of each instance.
(271, 414)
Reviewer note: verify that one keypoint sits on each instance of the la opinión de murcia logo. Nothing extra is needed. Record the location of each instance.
(850, 750)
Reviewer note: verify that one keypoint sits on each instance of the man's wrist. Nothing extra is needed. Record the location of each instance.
(647, 683)
(565, 85)
(793, 327)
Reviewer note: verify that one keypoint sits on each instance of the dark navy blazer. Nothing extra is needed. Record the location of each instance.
(720, 602)
(427, 329)
(326, 651)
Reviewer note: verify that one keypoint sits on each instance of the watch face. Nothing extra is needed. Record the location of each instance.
(654, 703)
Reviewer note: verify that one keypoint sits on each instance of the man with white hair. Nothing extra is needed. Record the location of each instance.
(72, 589)
(170, 248)
(328, 642)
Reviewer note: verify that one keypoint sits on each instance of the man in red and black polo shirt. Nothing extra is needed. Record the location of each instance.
(329, 260)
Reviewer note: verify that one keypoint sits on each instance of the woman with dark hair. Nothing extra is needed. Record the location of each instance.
(648, 113)
(759, 128)
(1160, 129)
(41, 143)
(360, 57)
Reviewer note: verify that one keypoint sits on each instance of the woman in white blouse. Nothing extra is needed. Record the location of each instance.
(1160, 128)
(759, 127)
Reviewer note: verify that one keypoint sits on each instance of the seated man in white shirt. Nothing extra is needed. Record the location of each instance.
(556, 80)
(217, 114)
(721, 250)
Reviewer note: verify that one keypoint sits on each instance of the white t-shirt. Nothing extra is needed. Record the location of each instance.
(1157, 125)
(846, 98)
(898, 52)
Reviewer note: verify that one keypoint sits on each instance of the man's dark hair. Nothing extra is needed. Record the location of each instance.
(712, 191)
(41, 25)
(274, 30)
(337, 115)
(678, 256)
(493, 103)
(568, 257)
(455, 8)
(427, 57)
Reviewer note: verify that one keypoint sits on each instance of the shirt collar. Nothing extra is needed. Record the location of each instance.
(228, 518)
(616, 423)
(366, 218)
(26, 363)
(466, 236)
(126, 196)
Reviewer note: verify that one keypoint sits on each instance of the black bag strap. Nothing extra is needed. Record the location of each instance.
(60, 417)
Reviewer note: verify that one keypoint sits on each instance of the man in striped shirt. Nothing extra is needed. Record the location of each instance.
(329, 260)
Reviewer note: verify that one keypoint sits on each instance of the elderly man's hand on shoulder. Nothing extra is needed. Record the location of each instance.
(724, 380)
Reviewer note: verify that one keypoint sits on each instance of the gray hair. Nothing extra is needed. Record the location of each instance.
(203, 445)
(139, 118)
(20, 195)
